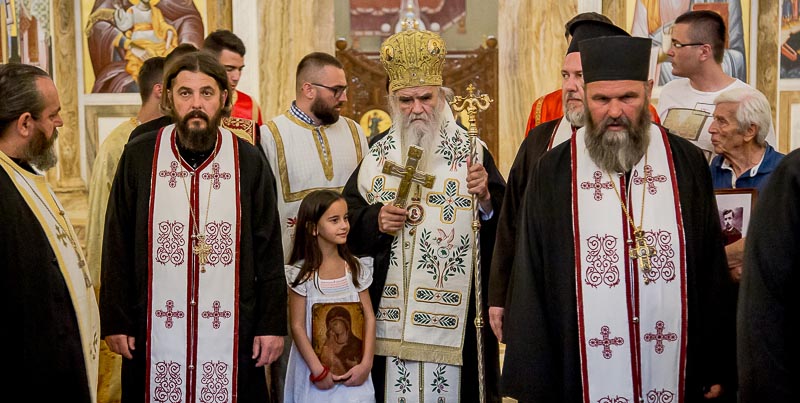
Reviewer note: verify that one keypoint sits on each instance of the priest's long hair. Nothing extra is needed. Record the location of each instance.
(305, 246)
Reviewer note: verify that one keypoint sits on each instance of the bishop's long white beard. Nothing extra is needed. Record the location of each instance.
(423, 133)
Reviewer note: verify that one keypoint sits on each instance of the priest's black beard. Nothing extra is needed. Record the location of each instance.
(617, 151)
(326, 115)
(194, 139)
(40, 152)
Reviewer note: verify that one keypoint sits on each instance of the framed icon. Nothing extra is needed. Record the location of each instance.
(337, 334)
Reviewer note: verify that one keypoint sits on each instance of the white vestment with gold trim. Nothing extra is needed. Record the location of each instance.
(64, 241)
(305, 158)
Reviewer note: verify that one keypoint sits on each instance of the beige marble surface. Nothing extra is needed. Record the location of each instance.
(532, 46)
(290, 30)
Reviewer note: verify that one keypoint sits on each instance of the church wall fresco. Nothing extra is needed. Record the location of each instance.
(119, 35)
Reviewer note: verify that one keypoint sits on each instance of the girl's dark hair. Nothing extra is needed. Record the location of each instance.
(305, 245)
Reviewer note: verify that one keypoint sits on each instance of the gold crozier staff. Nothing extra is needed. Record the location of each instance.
(474, 104)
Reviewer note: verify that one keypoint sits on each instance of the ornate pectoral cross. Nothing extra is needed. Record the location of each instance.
(408, 174)
(202, 250)
(642, 251)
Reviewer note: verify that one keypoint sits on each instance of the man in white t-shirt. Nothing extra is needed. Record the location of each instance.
(686, 104)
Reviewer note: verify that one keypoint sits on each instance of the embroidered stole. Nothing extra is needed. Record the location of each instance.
(632, 331)
(290, 143)
(36, 191)
(193, 315)
(423, 309)
(246, 129)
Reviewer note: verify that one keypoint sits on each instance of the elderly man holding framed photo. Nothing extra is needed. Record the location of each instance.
(742, 120)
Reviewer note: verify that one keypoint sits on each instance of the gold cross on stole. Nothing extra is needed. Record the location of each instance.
(202, 250)
(642, 251)
(408, 174)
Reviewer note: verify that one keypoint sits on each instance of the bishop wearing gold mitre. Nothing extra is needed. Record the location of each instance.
(411, 208)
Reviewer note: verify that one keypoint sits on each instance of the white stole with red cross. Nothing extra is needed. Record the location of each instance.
(632, 323)
(192, 308)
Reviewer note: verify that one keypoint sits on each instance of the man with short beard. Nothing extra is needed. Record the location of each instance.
(539, 140)
(423, 254)
(55, 327)
(310, 147)
(193, 293)
(620, 283)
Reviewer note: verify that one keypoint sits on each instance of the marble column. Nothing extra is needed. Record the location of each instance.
(532, 46)
(288, 31)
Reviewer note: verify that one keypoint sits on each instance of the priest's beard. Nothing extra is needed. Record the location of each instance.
(40, 151)
(420, 129)
(327, 115)
(195, 138)
(617, 151)
(575, 114)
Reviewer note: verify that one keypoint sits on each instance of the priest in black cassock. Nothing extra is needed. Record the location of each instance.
(767, 311)
(621, 290)
(422, 292)
(51, 326)
(193, 292)
(539, 140)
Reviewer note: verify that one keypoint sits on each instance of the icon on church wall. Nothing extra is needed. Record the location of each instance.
(121, 34)
(27, 34)
(375, 122)
(790, 39)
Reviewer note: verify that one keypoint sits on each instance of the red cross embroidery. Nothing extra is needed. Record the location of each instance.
(606, 342)
(597, 185)
(649, 178)
(173, 174)
(215, 175)
(169, 314)
(659, 336)
(216, 314)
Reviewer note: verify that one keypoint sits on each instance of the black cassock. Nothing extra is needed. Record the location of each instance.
(366, 240)
(768, 366)
(542, 360)
(44, 356)
(124, 291)
(534, 145)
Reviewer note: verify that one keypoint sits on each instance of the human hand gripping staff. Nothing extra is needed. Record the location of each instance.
(473, 104)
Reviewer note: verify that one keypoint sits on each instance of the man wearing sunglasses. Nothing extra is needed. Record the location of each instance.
(310, 147)
(686, 104)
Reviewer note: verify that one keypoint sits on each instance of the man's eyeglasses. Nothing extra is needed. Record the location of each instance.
(337, 90)
(678, 45)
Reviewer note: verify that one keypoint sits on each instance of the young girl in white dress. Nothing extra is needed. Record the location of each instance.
(321, 269)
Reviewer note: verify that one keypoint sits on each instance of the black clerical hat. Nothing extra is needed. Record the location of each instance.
(587, 29)
(615, 58)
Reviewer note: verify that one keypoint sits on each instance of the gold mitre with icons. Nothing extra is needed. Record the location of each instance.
(413, 58)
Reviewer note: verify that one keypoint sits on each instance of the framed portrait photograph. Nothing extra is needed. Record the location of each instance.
(337, 334)
(734, 207)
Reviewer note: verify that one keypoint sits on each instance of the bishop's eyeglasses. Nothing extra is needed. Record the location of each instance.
(338, 90)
